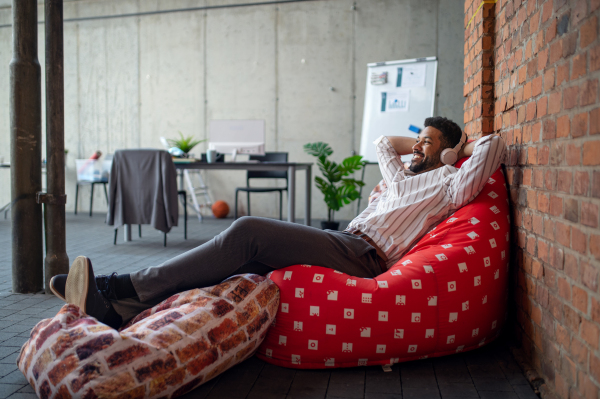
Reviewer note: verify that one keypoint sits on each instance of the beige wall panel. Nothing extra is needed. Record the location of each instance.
(109, 89)
(92, 8)
(171, 77)
(241, 84)
(5, 16)
(320, 34)
(451, 58)
(5, 57)
(388, 30)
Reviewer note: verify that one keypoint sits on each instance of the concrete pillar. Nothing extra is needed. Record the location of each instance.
(26, 150)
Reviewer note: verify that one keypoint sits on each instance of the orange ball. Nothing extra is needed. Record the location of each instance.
(220, 209)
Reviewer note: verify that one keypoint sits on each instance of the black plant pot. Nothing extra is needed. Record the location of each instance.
(325, 225)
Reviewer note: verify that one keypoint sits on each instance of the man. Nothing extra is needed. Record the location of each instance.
(412, 203)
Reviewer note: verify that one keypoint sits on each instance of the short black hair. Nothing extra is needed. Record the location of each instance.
(451, 132)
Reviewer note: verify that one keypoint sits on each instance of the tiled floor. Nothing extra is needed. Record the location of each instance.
(489, 372)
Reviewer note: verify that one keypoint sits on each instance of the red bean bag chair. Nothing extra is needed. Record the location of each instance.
(447, 294)
(165, 351)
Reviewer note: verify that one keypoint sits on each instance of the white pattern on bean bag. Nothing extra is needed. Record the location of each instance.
(164, 352)
(446, 295)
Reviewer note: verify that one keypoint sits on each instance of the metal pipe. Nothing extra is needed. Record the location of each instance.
(26, 150)
(57, 261)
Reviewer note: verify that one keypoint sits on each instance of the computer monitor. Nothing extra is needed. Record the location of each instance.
(237, 137)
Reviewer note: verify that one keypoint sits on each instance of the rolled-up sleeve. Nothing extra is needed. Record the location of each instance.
(389, 161)
(489, 152)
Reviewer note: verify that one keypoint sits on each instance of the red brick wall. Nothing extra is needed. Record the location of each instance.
(545, 70)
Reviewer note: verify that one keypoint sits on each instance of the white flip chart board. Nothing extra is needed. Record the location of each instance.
(399, 94)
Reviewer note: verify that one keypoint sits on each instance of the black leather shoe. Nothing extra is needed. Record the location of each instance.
(106, 285)
(81, 290)
(57, 285)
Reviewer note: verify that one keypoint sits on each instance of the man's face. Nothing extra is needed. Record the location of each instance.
(427, 150)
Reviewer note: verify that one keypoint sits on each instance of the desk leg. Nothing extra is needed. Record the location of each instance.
(308, 196)
(292, 194)
(127, 232)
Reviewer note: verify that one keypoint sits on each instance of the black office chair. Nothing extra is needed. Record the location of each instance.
(104, 182)
(182, 194)
(136, 178)
(268, 157)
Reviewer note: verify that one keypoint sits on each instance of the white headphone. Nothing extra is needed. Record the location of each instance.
(450, 155)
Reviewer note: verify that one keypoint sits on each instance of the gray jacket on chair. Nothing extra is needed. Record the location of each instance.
(143, 189)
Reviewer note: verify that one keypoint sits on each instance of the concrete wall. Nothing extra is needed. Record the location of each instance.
(134, 75)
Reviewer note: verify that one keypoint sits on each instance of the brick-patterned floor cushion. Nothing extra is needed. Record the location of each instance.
(164, 352)
(448, 294)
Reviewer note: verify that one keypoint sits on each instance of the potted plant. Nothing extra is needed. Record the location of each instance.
(185, 144)
(336, 186)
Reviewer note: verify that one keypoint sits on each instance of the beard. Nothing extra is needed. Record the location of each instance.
(424, 164)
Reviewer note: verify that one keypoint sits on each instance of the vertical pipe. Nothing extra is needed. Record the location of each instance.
(57, 261)
(26, 150)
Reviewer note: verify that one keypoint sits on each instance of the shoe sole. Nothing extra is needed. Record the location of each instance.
(77, 286)
(55, 292)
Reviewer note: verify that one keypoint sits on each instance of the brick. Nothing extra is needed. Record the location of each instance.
(564, 181)
(569, 44)
(595, 367)
(527, 91)
(549, 79)
(558, 258)
(595, 310)
(554, 105)
(562, 73)
(543, 204)
(589, 90)
(579, 125)
(550, 179)
(563, 126)
(564, 289)
(588, 32)
(549, 129)
(556, 205)
(570, 97)
(591, 149)
(589, 214)
(595, 121)
(587, 388)
(542, 107)
(572, 210)
(596, 184)
(563, 234)
(579, 66)
(556, 51)
(589, 276)
(595, 245)
(579, 351)
(531, 110)
(538, 178)
(571, 266)
(536, 131)
(581, 183)
(578, 240)
(572, 319)
(536, 86)
(573, 154)
(595, 58)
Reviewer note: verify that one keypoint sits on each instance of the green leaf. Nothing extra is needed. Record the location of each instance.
(352, 164)
(318, 149)
(337, 190)
(185, 144)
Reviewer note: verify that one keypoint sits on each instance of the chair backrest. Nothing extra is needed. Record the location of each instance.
(269, 157)
(143, 189)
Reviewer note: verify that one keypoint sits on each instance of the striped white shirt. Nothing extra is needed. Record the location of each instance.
(412, 204)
